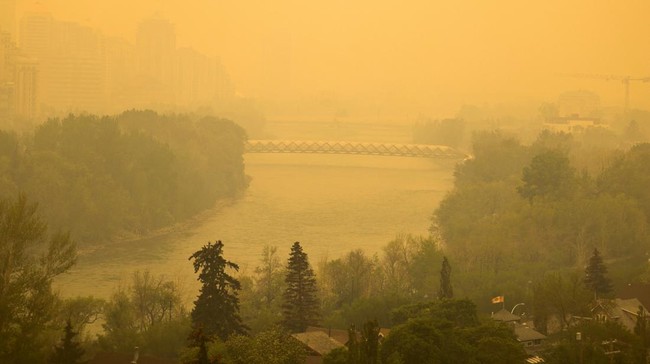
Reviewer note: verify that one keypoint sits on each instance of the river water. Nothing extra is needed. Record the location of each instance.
(330, 203)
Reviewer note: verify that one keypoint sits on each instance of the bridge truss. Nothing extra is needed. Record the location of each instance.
(358, 148)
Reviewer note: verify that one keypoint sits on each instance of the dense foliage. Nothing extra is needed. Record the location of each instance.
(450, 332)
(100, 176)
(517, 211)
(147, 313)
(29, 261)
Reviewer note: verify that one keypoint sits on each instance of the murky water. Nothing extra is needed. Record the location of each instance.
(330, 203)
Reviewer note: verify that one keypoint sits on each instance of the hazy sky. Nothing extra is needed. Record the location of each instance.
(424, 56)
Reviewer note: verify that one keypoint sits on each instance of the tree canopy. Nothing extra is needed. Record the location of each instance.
(216, 309)
(301, 306)
(27, 302)
(596, 278)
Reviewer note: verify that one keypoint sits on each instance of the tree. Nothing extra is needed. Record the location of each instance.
(81, 311)
(446, 290)
(562, 296)
(449, 331)
(27, 303)
(549, 175)
(417, 341)
(300, 308)
(147, 313)
(217, 307)
(267, 274)
(596, 276)
(70, 351)
(370, 342)
(363, 349)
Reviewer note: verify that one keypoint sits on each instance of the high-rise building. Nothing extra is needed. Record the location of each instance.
(120, 60)
(156, 57)
(26, 87)
(36, 32)
(18, 81)
(70, 62)
(8, 17)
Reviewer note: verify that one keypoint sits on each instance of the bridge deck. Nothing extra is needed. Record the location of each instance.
(358, 148)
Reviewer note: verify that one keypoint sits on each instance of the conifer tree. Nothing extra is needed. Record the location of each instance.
(70, 351)
(446, 290)
(300, 308)
(596, 276)
(216, 309)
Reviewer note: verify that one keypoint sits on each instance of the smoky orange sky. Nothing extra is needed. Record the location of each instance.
(409, 57)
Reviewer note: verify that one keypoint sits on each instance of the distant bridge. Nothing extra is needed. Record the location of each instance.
(358, 148)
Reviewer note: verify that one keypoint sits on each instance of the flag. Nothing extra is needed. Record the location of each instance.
(498, 299)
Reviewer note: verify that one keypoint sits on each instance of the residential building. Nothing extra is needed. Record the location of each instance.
(623, 311)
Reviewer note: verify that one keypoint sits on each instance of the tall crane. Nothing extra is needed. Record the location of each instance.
(624, 79)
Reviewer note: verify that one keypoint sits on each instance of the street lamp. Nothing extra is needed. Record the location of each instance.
(518, 304)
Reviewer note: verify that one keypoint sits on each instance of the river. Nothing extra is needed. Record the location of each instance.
(330, 203)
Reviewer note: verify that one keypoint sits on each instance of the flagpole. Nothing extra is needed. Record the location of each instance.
(503, 302)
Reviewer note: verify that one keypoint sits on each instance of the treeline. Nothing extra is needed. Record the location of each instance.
(240, 319)
(353, 288)
(129, 173)
(518, 211)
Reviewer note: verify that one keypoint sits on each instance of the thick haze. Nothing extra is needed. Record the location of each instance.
(399, 58)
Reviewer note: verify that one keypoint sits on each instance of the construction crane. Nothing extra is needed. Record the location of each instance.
(624, 79)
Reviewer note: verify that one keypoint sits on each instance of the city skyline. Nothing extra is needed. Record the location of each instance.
(82, 70)
(421, 58)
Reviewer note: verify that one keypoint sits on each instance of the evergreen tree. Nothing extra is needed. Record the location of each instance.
(216, 309)
(70, 351)
(595, 276)
(300, 308)
(446, 290)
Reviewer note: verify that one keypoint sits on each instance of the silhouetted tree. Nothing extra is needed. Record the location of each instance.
(217, 307)
(370, 343)
(446, 290)
(549, 175)
(300, 308)
(27, 303)
(596, 275)
(267, 273)
(363, 349)
(70, 351)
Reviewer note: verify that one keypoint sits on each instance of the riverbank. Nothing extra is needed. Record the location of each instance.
(331, 204)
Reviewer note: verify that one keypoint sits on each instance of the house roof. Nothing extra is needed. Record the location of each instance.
(336, 334)
(505, 316)
(339, 335)
(527, 333)
(318, 341)
(640, 291)
(622, 310)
